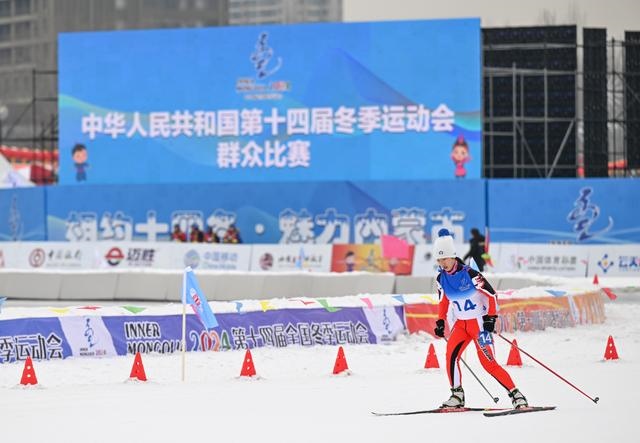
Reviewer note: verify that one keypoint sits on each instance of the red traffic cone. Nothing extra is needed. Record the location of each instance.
(595, 280)
(610, 352)
(514, 358)
(137, 370)
(341, 362)
(28, 373)
(248, 370)
(609, 293)
(432, 359)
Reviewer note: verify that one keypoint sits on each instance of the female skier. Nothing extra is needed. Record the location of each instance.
(468, 301)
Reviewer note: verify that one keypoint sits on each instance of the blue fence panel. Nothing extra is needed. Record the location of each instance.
(22, 214)
(319, 212)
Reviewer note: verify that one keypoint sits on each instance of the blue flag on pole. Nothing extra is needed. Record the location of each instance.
(194, 296)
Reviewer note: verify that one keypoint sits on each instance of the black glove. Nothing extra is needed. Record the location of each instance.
(439, 330)
(489, 322)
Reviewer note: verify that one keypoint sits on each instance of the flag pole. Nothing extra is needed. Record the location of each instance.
(184, 321)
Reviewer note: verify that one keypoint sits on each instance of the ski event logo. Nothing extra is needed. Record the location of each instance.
(265, 63)
(584, 215)
(89, 334)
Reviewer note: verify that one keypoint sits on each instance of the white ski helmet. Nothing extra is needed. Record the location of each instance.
(444, 246)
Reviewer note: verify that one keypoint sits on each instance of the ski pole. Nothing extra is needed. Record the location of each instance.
(495, 399)
(595, 400)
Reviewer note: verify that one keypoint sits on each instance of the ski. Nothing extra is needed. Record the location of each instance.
(439, 411)
(518, 411)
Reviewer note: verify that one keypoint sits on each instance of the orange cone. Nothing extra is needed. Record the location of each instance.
(595, 280)
(137, 370)
(341, 362)
(248, 370)
(611, 353)
(432, 359)
(514, 358)
(28, 373)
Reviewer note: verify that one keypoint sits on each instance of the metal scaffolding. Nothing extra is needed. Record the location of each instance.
(524, 159)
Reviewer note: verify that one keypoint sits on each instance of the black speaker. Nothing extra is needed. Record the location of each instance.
(632, 97)
(596, 152)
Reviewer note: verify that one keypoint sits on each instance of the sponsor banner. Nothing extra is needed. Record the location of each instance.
(47, 255)
(291, 258)
(561, 260)
(129, 255)
(368, 257)
(57, 338)
(525, 314)
(615, 260)
(214, 256)
(87, 336)
(40, 338)
(536, 314)
(134, 255)
(279, 328)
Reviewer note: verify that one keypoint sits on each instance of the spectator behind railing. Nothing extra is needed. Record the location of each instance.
(178, 235)
(232, 235)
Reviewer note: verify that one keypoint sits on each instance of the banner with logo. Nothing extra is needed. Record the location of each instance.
(561, 260)
(48, 255)
(88, 336)
(592, 211)
(539, 313)
(523, 314)
(303, 257)
(615, 260)
(125, 255)
(350, 257)
(95, 336)
(325, 101)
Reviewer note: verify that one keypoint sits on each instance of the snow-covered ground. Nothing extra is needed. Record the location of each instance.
(297, 399)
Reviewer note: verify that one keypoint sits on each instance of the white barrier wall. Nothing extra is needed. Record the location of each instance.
(157, 285)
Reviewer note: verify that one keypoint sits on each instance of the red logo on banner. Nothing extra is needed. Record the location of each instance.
(37, 257)
(114, 256)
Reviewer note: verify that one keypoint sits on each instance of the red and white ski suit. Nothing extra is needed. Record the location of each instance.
(465, 296)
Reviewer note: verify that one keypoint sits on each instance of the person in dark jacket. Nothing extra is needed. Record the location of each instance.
(476, 249)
